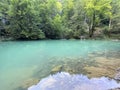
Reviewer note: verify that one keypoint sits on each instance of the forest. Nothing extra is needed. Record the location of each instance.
(59, 19)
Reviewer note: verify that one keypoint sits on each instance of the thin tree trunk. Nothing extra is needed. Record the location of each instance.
(109, 28)
(92, 29)
(109, 24)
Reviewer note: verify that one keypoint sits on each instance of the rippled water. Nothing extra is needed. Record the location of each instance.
(22, 62)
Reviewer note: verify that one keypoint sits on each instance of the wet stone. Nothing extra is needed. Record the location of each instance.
(57, 69)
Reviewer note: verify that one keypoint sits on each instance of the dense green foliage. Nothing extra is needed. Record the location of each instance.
(56, 19)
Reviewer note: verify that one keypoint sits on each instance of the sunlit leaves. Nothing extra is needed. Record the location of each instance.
(59, 6)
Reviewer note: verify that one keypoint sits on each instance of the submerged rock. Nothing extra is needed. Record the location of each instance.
(56, 69)
(92, 67)
(104, 67)
(98, 72)
(65, 81)
(28, 83)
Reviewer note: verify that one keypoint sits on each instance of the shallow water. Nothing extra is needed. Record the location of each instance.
(24, 60)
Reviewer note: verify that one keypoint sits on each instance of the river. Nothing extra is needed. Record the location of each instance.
(23, 62)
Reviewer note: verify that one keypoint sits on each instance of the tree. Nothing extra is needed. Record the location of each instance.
(50, 14)
(23, 20)
(55, 19)
(4, 20)
(78, 24)
(116, 15)
(95, 8)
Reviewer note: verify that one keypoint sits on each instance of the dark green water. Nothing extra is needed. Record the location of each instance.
(23, 60)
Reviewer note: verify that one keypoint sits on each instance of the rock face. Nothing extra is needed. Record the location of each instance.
(65, 81)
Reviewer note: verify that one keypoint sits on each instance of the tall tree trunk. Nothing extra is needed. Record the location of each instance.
(109, 24)
(92, 27)
(109, 27)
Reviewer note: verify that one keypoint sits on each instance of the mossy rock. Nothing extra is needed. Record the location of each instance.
(57, 69)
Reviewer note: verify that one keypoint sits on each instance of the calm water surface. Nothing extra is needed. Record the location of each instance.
(22, 60)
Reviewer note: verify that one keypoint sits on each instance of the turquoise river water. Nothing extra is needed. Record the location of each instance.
(25, 62)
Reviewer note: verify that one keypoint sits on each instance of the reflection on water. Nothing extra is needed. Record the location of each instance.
(65, 81)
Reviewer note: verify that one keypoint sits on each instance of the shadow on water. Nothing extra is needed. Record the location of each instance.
(65, 81)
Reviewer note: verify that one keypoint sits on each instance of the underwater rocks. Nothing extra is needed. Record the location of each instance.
(92, 66)
(65, 81)
(104, 67)
(57, 69)
(69, 69)
(97, 72)
(69, 66)
(28, 83)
